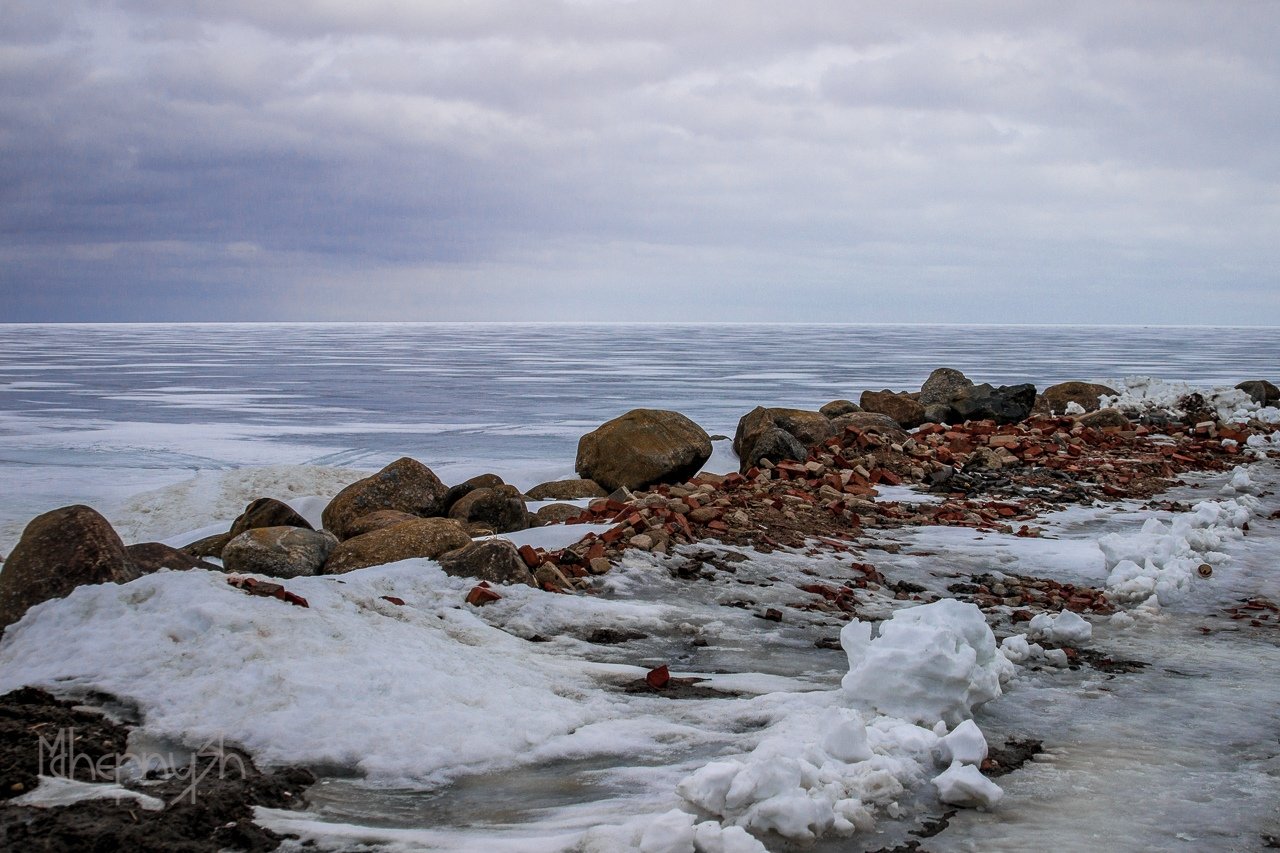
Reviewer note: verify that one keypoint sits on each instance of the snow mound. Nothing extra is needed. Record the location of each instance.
(931, 663)
(1156, 565)
(416, 693)
(219, 496)
(1067, 628)
(1144, 395)
(964, 785)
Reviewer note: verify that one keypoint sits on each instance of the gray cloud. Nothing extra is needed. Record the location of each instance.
(639, 160)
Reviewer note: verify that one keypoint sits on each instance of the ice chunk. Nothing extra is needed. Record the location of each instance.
(964, 785)
(933, 662)
(668, 833)
(965, 744)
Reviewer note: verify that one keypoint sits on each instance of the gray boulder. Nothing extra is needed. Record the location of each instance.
(153, 556)
(1005, 405)
(500, 509)
(943, 385)
(566, 490)
(422, 537)
(280, 552)
(1261, 391)
(775, 444)
(492, 560)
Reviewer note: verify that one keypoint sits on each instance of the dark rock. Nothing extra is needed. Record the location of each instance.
(210, 546)
(908, 413)
(836, 408)
(805, 427)
(267, 512)
(492, 560)
(943, 386)
(557, 513)
(406, 485)
(466, 487)
(1261, 391)
(501, 509)
(59, 551)
(1007, 404)
(1105, 418)
(1056, 398)
(566, 490)
(939, 413)
(376, 521)
(422, 537)
(641, 448)
(775, 444)
(279, 552)
(153, 556)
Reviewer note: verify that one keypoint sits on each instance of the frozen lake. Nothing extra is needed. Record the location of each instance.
(532, 746)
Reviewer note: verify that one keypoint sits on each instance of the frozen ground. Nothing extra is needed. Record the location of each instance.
(471, 736)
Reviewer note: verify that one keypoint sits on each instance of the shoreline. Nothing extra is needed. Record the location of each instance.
(796, 508)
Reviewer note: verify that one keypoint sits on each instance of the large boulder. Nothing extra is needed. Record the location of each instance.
(153, 556)
(1007, 404)
(808, 428)
(908, 413)
(406, 485)
(775, 444)
(280, 552)
(466, 487)
(1104, 418)
(492, 560)
(209, 546)
(943, 385)
(643, 447)
(1056, 398)
(1261, 391)
(501, 509)
(566, 490)
(422, 537)
(59, 551)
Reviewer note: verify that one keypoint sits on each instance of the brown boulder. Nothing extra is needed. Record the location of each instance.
(492, 560)
(267, 512)
(501, 509)
(643, 447)
(280, 552)
(406, 485)
(422, 537)
(59, 551)
(557, 513)
(1105, 418)
(908, 413)
(1055, 398)
(209, 546)
(566, 490)
(466, 487)
(871, 422)
(836, 408)
(1261, 392)
(153, 556)
(774, 443)
(376, 521)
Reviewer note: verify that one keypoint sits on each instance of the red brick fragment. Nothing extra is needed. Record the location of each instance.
(479, 596)
(658, 678)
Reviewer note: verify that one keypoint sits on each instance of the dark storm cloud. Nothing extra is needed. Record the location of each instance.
(638, 160)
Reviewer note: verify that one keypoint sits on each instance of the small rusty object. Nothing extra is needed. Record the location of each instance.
(394, 600)
(1205, 570)
(481, 595)
(658, 678)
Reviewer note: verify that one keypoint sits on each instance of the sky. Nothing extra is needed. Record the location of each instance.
(640, 160)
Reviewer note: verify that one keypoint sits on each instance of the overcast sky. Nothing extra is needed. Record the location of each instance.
(657, 160)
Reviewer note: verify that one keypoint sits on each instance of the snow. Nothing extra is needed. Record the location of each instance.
(929, 663)
(1066, 628)
(61, 791)
(1142, 395)
(1159, 564)
(964, 785)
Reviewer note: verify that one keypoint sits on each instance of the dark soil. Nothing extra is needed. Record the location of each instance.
(205, 811)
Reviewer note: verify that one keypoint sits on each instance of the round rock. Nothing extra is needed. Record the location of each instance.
(406, 485)
(641, 448)
(280, 552)
(422, 537)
